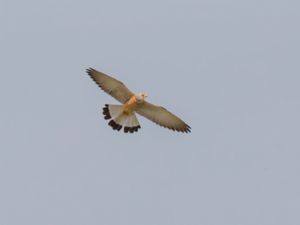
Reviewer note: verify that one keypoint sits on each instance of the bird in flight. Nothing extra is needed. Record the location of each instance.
(125, 114)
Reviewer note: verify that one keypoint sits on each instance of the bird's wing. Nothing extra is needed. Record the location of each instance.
(163, 117)
(110, 85)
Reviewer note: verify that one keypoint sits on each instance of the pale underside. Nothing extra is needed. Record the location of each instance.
(120, 92)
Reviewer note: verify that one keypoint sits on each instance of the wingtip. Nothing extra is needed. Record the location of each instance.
(89, 70)
(187, 131)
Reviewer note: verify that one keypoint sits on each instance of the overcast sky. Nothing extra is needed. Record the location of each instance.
(230, 69)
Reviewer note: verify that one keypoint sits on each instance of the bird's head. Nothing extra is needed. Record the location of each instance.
(141, 97)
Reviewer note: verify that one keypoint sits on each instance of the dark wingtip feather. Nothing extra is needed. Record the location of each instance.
(187, 129)
(89, 70)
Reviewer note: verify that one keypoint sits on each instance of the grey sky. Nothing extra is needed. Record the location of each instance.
(229, 68)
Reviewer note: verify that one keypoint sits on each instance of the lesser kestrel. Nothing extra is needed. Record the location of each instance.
(125, 115)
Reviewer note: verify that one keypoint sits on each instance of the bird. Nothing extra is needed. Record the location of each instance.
(124, 115)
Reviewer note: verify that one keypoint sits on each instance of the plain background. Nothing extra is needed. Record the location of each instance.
(229, 68)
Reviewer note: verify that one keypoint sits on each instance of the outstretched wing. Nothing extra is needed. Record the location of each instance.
(163, 117)
(110, 85)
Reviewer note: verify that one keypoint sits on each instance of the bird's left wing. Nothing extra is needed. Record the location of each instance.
(163, 117)
(110, 85)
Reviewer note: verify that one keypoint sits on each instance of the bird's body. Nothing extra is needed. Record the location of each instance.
(125, 114)
(130, 106)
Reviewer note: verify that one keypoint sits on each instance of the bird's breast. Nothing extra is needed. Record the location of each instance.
(130, 106)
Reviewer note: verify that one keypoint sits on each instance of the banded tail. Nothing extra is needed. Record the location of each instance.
(118, 119)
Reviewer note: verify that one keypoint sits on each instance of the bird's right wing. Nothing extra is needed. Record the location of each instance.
(163, 117)
(110, 85)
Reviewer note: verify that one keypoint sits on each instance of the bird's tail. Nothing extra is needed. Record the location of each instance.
(118, 119)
